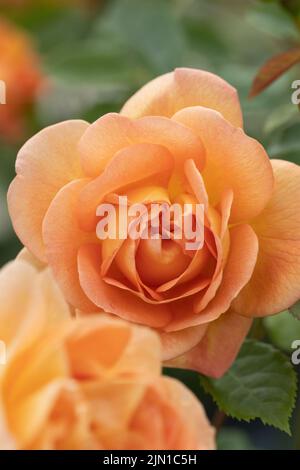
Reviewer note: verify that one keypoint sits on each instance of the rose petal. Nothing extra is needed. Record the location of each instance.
(237, 272)
(178, 342)
(114, 300)
(275, 283)
(63, 238)
(44, 164)
(217, 350)
(131, 165)
(184, 87)
(113, 132)
(233, 161)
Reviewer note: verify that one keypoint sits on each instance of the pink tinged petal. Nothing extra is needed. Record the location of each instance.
(233, 161)
(185, 87)
(44, 164)
(275, 283)
(219, 347)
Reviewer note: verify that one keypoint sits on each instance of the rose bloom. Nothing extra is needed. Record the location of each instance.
(92, 383)
(178, 139)
(19, 69)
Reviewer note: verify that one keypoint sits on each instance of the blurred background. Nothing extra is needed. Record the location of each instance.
(63, 59)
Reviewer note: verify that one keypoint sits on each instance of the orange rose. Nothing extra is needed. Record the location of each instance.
(93, 383)
(177, 139)
(19, 70)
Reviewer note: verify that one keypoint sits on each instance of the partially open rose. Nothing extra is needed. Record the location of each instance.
(179, 139)
(93, 383)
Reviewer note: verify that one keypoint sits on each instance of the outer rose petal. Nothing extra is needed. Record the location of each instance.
(275, 284)
(185, 87)
(63, 238)
(166, 405)
(189, 406)
(44, 164)
(217, 350)
(28, 303)
(233, 161)
(178, 342)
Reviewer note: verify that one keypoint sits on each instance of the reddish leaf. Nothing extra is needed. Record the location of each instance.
(274, 68)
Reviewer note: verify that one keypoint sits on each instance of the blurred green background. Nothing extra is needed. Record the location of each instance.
(95, 54)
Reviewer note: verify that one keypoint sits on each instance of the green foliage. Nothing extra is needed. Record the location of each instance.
(260, 384)
(283, 329)
(230, 438)
(295, 310)
(149, 28)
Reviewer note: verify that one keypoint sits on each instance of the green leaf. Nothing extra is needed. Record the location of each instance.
(295, 310)
(230, 438)
(260, 384)
(282, 329)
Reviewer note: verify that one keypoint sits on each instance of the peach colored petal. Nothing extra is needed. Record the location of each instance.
(275, 283)
(181, 142)
(196, 181)
(178, 342)
(15, 294)
(44, 164)
(160, 261)
(237, 272)
(63, 237)
(113, 132)
(30, 385)
(136, 351)
(166, 404)
(125, 260)
(130, 165)
(103, 345)
(199, 265)
(30, 299)
(188, 405)
(103, 139)
(233, 161)
(185, 87)
(218, 348)
(114, 300)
